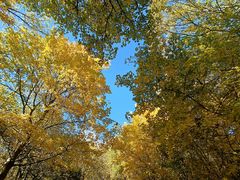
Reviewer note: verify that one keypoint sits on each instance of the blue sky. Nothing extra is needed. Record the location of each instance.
(120, 100)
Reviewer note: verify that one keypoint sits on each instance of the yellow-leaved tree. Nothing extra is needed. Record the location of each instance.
(189, 69)
(137, 153)
(52, 105)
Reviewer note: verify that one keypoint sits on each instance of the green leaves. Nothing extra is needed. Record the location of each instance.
(188, 69)
(96, 24)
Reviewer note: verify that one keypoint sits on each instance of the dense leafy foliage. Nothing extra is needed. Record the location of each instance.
(52, 102)
(54, 118)
(189, 70)
(97, 24)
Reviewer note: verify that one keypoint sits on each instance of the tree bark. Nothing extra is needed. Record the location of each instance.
(10, 163)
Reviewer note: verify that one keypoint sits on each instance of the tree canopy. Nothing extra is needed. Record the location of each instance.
(54, 117)
(52, 101)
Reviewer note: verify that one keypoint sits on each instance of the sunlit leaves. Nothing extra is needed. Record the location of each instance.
(5, 15)
(188, 75)
(97, 24)
(52, 94)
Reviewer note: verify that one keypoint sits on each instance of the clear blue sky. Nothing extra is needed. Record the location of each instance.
(120, 100)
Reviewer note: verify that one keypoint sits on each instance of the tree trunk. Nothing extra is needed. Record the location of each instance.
(10, 163)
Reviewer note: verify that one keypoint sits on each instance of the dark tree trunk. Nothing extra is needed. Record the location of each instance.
(10, 163)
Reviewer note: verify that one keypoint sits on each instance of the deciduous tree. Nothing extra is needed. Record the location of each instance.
(53, 108)
(189, 69)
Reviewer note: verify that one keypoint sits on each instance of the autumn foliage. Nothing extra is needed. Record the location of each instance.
(54, 120)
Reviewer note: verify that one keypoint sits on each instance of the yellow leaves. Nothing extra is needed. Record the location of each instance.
(4, 14)
(137, 149)
(139, 120)
(142, 119)
(154, 112)
(128, 2)
(56, 57)
(17, 126)
(53, 87)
